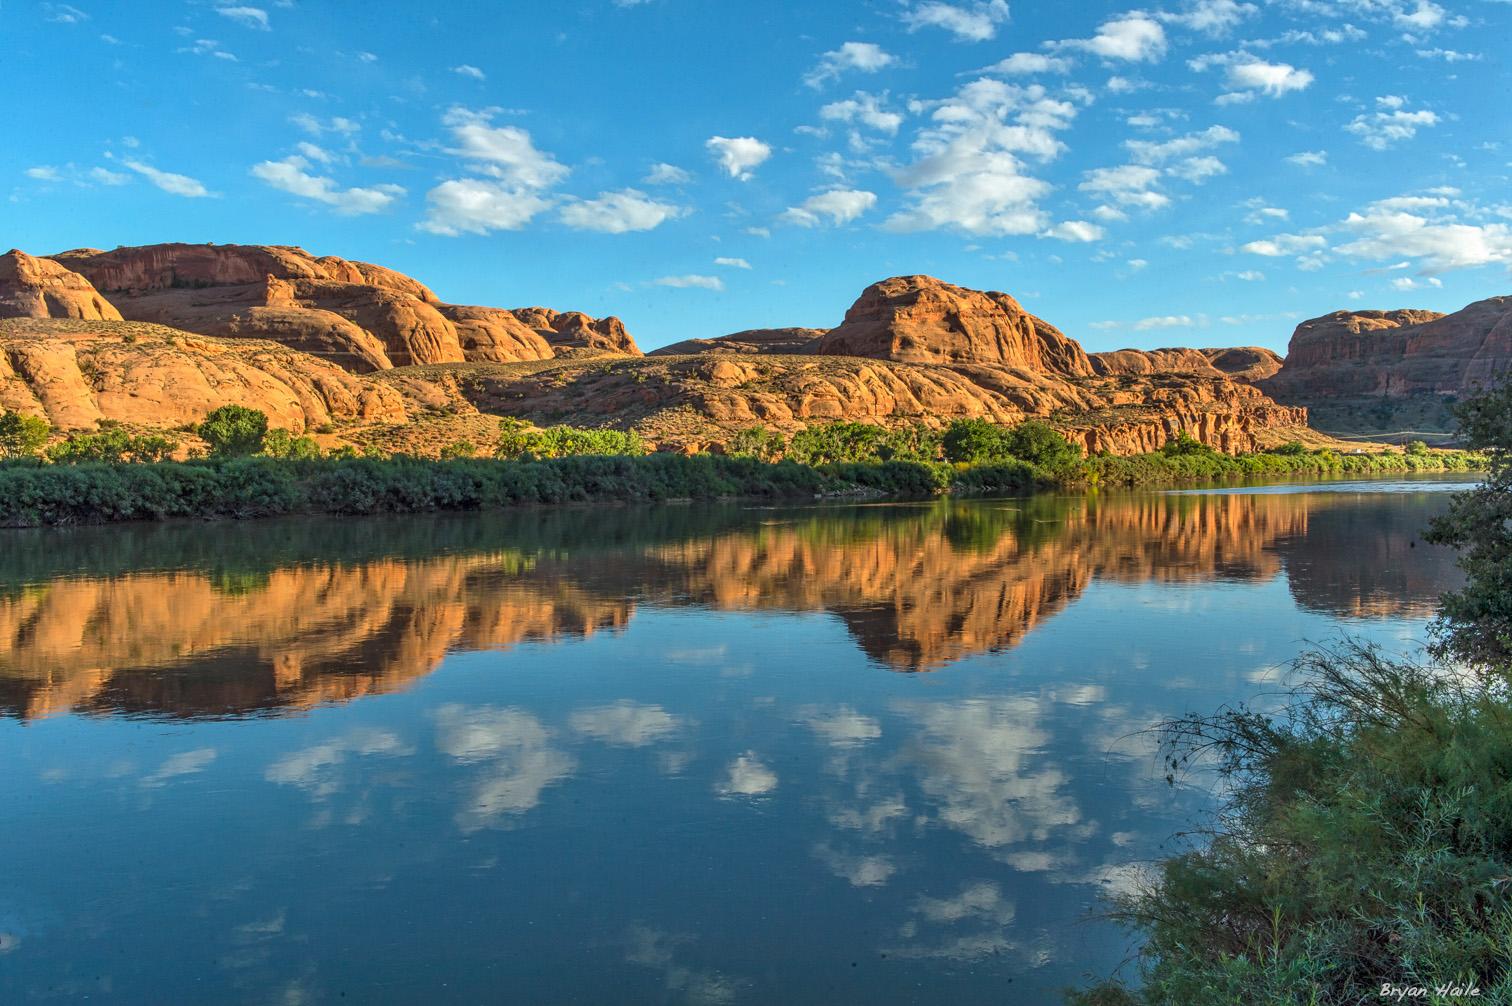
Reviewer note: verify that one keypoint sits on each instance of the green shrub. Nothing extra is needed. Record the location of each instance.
(757, 442)
(836, 443)
(1290, 449)
(234, 431)
(459, 449)
(22, 436)
(975, 441)
(111, 445)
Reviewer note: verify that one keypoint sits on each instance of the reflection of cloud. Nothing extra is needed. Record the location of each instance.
(748, 777)
(514, 748)
(870, 819)
(187, 763)
(980, 901)
(313, 769)
(626, 723)
(653, 948)
(981, 760)
(980, 908)
(861, 871)
(843, 727)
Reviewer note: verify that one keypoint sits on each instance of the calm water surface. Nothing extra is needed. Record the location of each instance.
(713, 754)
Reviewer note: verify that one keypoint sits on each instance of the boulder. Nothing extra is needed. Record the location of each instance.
(41, 288)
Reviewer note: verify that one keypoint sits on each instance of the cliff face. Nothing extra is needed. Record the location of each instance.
(76, 374)
(1153, 361)
(1383, 369)
(40, 288)
(919, 319)
(1245, 364)
(571, 330)
(360, 316)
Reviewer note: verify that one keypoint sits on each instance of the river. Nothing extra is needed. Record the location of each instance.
(885, 753)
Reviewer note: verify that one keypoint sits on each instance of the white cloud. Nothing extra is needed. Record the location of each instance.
(738, 155)
(503, 152)
(619, 212)
(1165, 321)
(1076, 230)
(247, 17)
(732, 263)
(1408, 283)
(1135, 37)
(690, 282)
(1127, 184)
(747, 776)
(1285, 244)
(105, 176)
(1025, 63)
(314, 152)
(1152, 152)
(1271, 79)
(1309, 158)
(514, 757)
(178, 185)
(1390, 124)
(667, 174)
(974, 22)
(44, 173)
(1198, 169)
(1436, 237)
(626, 723)
(841, 206)
(290, 175)
(863, 108)
(1250, 275)
(843, 726)
(62, 13)
(478, 206)
(187, 763)
(864, 57)
(1212, 17)
(468, 70)
(1450, 55)
(339, 125)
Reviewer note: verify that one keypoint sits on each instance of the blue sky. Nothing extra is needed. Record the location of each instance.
(1197, 172)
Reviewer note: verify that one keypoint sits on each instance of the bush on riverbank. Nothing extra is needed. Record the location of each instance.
(1363, 849)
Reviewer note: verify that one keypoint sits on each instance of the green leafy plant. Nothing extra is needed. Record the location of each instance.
(234, 431)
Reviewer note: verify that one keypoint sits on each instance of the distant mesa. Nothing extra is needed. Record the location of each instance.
(41, 288)
(753, 342)
(1378, 370)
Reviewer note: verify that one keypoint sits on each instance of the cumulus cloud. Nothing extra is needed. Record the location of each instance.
(1153, 152)
(504, 152)
(667, 174)
(747, 776)
(1309, 158)
(863, 57)
(173, 184)
(513, 758)
(1128, 184)
(865, 109)
(1134, 37)
(837, 206)
(690, 282)
(626, 723)
(468, 70)
(1391, 123)
(1198, 169)
(1165, 321)
(842, 727)
(291, 175)
(739, 156)
(969, 173)
(44, 173)
(1212, 17)
(732, 263)
(1271, 79)
(1433, 231)
(971, 22)
(1076, 231)
(247, 17)
(338, 125)
(1285, 244)
(619, 212)
(478, 206)
(1026, 63)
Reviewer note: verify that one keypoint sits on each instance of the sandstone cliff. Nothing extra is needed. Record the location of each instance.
(919, 319)
(1153, 361)
(1245, 364)
(575, 330)
(76, 373)
(360, 316)
(1376, 369)
(41, 288)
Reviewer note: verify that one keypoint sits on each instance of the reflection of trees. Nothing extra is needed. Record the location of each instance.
(242, 618)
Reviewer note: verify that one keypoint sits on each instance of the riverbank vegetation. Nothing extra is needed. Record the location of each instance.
(1363, 849)
(246, 469)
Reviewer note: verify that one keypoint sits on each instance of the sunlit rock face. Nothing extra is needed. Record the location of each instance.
(917, 590)
(41, 288)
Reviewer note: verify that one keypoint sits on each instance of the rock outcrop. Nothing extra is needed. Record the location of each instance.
(574, 330)
(1378, 369)
(41, 288)
(756, 342)
(359, 316)
(75, 374)
(919, 319)
(1153, 361)
(1245, 364)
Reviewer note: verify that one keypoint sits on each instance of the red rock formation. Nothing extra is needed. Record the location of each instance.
(1153, 361)
(1245, 364)
(575, 330)
(756, 341)
(1397, 353)
(494, 335)
(41, 288)
(919, 319)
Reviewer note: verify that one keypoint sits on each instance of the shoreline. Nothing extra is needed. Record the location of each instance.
(63, 495)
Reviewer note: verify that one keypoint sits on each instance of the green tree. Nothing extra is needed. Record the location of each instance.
(1475, 623)
(1185, 445)
(1042, 445)
(22, 436)
(974, 442)
(1292, 448)
(517, 440)
(831, 443)
(757, 442)
(1417, 447)
(281, 443)
(234, 431)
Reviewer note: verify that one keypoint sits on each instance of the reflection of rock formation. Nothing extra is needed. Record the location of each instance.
(918, 588)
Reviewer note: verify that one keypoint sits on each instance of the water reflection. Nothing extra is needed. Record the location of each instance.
(217, 621)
